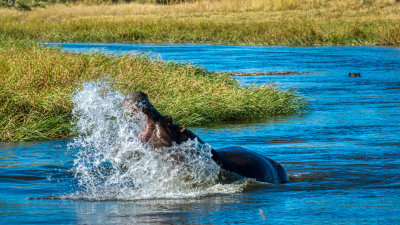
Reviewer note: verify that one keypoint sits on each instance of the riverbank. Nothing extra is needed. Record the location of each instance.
(255, 22)
(36, 85)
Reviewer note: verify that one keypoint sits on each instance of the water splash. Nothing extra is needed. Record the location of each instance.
(113, 164)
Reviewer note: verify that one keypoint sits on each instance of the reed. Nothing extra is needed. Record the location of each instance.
(36, 85)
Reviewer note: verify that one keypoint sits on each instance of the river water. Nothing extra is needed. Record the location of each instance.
(342, 156)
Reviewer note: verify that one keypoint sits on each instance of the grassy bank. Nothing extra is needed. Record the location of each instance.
(36, 84)
(264, 22)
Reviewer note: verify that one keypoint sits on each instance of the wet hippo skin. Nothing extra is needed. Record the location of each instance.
(249, 164)
(160, 131)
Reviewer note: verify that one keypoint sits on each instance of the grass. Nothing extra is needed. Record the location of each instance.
(255, 22)
(36, 85)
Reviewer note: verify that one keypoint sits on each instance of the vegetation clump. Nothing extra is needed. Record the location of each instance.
(36, 85)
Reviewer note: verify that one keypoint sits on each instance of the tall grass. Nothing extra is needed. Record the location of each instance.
(261, 22)
(36, 84)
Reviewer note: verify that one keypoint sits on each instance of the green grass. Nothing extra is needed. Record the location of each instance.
(36, 85)
(296, 32)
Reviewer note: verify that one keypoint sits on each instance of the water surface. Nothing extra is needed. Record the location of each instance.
(342, 155)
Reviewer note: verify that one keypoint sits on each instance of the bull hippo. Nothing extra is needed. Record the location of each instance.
(160, 131)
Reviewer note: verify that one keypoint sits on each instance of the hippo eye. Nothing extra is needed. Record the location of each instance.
(168, 119)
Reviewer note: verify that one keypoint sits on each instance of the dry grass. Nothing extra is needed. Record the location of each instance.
(274, 22)
(382, 8)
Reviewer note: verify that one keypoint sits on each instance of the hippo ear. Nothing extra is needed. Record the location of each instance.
(182, 128)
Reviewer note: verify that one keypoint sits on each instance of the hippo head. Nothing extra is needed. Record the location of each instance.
(160, 131)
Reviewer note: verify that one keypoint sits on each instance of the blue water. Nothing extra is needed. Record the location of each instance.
(342, 155)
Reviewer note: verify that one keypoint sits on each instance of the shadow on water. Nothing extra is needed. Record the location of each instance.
(342, 156)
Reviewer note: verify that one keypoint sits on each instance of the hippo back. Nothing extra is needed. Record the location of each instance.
(250, 164)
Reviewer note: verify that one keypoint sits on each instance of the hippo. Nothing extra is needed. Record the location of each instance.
(354, 75)
(160, 131)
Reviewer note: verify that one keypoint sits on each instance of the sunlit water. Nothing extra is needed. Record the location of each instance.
(342, 155)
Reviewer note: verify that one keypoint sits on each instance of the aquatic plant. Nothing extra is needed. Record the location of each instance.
(36, 85)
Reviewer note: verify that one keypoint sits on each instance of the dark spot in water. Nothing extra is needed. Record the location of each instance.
(397, 86)
(24, 178)
(41, 198)
(269, 140)
(301, 178)
(271, 73)
(386, 144)
(354, 75)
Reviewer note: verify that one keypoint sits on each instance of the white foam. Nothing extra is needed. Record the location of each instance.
(112, 163)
